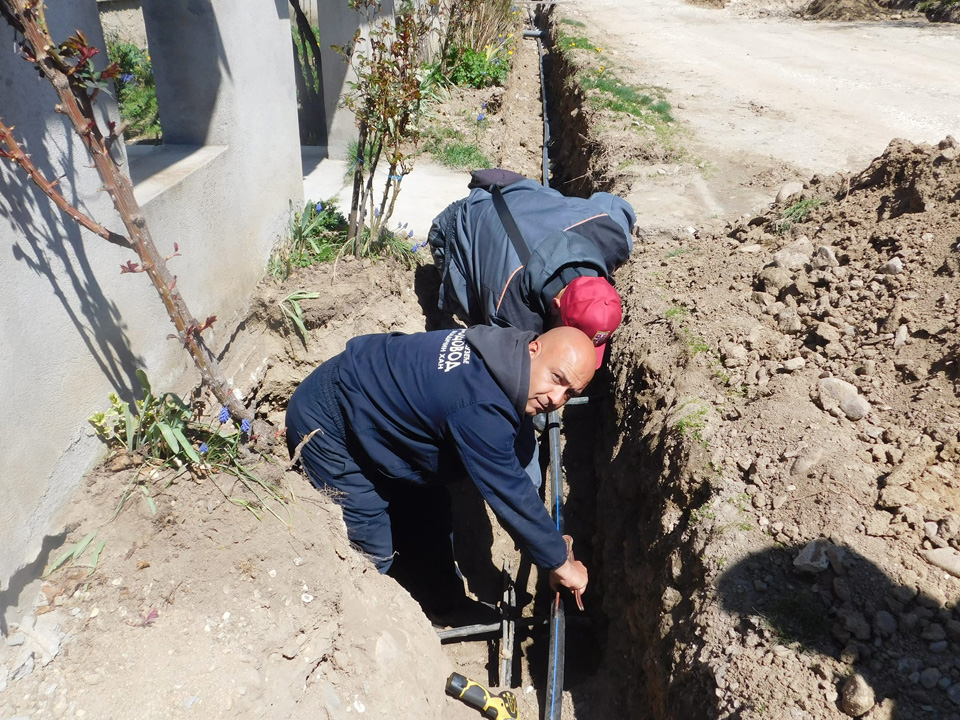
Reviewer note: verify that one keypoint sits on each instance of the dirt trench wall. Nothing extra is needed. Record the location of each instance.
(651, 464)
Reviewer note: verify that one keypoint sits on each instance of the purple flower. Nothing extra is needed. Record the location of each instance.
(204, 449)
(319, 207)
(224, 414)
(126, 78)
(245, 426)
(480, 117)
(483, 105)
(376, 212)
(410, 235)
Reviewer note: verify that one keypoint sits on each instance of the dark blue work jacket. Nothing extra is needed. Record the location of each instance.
(425, 408)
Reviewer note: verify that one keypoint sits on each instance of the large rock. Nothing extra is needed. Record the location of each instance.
(794, 256)
(857, 697)
(836, 393)
(946, 559)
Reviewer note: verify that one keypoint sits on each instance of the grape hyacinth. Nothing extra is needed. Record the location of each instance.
(224, 415)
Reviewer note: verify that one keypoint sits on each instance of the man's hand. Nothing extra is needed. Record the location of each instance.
(572, 574)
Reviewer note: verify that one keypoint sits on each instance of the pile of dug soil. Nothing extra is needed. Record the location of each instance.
(787, 485)
(845, 10)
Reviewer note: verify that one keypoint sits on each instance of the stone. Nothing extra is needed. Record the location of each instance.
(813, 557)
(794, 364)
(671, 598)
(794, 256)
(954, 693)
(946, 559)
(884, 623)
(806, 461)
(900, 337)
(773, 279)
(930, 677)
(893, 266)
(788, 190)
(837, 393)
(788, 321)
(734, 355)
(827, 332)
(914, 462)
(824, 257)
(895, 497)
(857, 696)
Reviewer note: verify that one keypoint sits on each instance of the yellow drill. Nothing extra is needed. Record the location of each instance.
(495, 707)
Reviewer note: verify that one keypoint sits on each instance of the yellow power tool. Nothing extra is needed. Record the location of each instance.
(495, 707)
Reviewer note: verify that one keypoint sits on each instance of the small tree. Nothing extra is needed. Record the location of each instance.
(386, 101)
(69, 68)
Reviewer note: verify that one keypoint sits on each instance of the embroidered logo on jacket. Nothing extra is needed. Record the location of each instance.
(454, 352)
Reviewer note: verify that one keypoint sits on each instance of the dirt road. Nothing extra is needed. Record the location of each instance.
(820, 97)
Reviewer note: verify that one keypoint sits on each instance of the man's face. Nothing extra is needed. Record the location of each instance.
(562, 362)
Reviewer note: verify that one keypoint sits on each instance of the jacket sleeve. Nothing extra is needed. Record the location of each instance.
(484, 437)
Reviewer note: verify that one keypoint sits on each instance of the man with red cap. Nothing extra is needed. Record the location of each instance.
(517, 254)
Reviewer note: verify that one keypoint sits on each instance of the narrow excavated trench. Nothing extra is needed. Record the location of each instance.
(625, 470)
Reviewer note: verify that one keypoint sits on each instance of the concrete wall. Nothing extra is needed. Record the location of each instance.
(72, 327)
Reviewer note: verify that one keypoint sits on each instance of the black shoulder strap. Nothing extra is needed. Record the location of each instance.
(510, 225)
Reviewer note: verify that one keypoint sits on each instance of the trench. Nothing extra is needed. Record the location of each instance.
(632, 653)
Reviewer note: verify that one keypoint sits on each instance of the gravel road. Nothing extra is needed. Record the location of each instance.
(820, 97)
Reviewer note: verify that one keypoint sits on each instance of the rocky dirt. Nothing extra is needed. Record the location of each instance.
(768, 497)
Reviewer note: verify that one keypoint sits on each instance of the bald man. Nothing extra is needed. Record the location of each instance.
(397, 416)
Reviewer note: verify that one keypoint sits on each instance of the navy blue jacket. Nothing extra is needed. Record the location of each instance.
(423, 408)
(482, 276)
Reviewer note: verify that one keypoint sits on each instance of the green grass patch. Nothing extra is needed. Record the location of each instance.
(460, 155)
(572, 22)
(796, 213)
(576, 42)
(619, 96)
(692, 424)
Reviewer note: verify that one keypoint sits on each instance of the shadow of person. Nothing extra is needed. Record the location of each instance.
(426, 285)
(842, 607)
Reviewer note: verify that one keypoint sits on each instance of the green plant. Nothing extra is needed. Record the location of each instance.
(692, 423)
(475, 69)
(704, 512)
(796, 213)
(156, 429)
(478, 24)
(290, 306)
(676, 312)
(572, 22)
(386, 102)
(135, 90)
(76, 551)
(316, 234)
(167, 433)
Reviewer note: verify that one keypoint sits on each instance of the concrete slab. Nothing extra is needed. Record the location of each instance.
(427, 190)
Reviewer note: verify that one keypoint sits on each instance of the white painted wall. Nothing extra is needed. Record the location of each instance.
(72, 327)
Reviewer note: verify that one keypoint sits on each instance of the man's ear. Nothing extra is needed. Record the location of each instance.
(535, 347)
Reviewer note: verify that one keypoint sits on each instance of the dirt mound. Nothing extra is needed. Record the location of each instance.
(844, 10)
(786, 478)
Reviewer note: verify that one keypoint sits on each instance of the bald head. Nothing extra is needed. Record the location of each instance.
(562, 362)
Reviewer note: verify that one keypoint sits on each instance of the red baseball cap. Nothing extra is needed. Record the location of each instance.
(591, 305)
